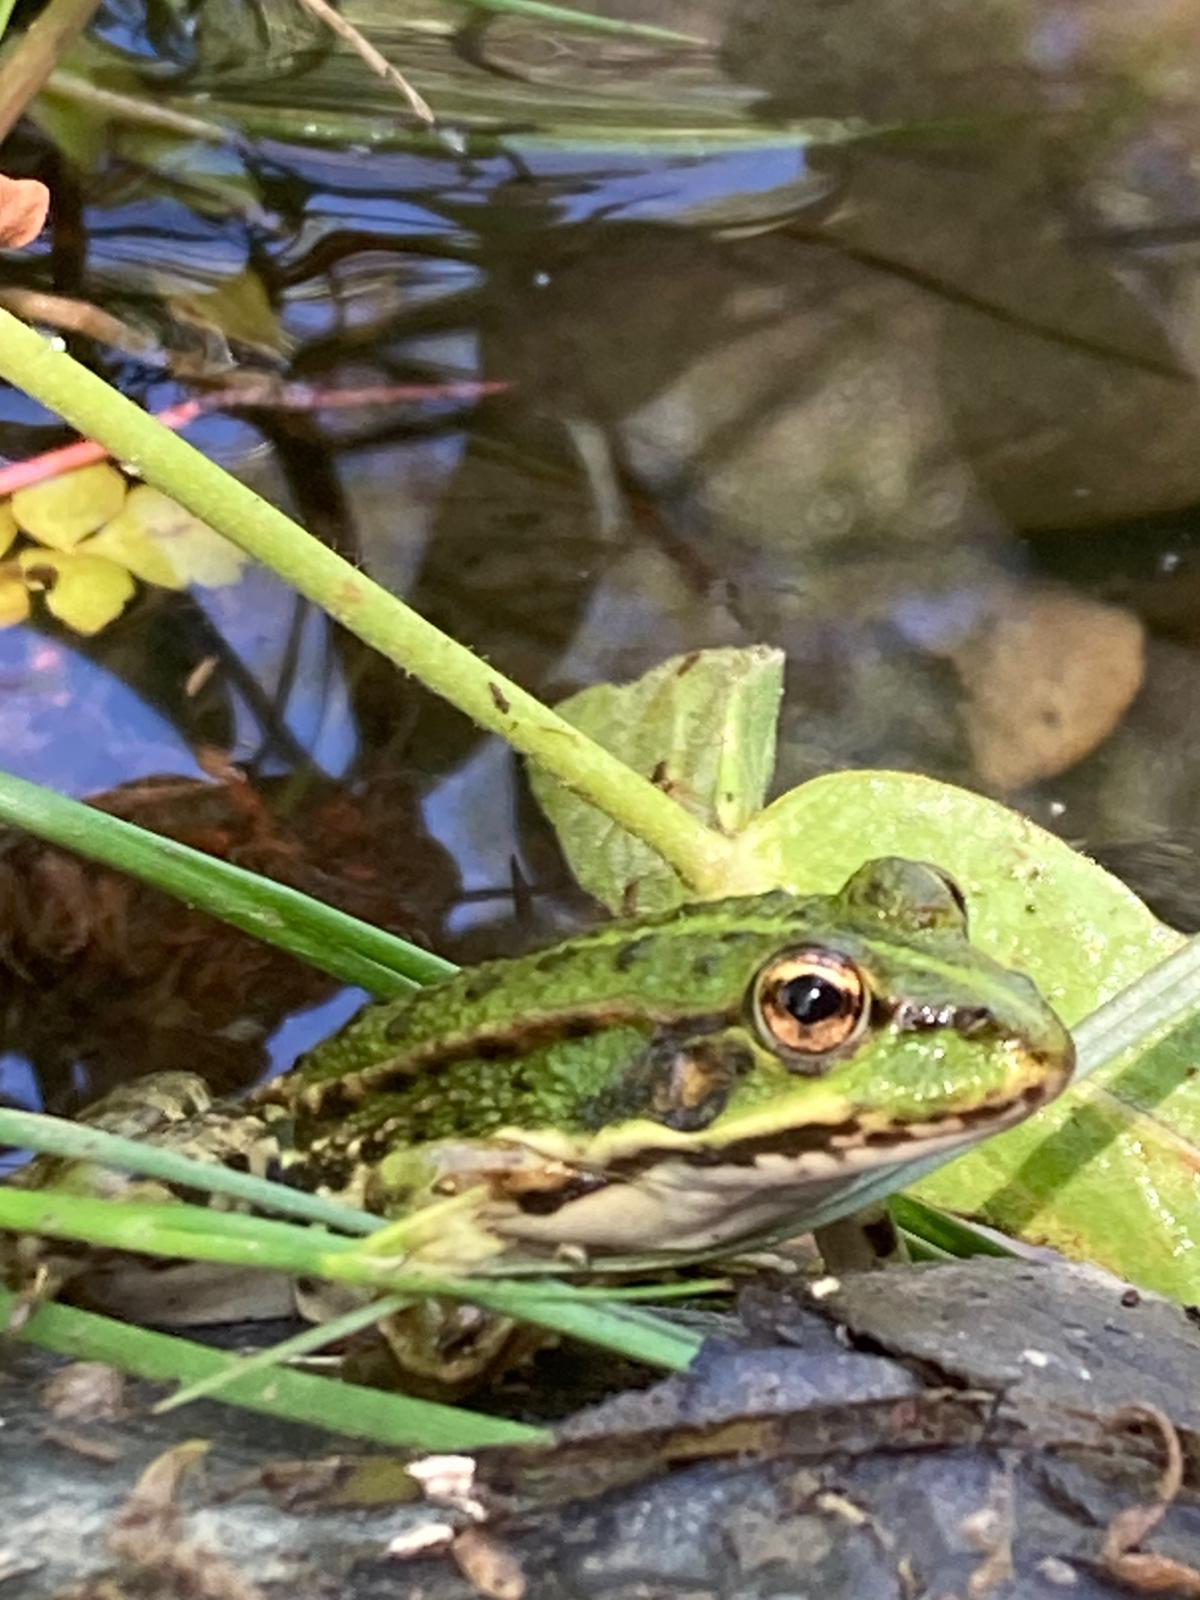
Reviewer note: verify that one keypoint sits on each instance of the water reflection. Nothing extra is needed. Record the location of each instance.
(902, 405)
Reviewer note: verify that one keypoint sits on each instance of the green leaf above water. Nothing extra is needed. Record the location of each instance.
(701, 726)
(1107, 1173)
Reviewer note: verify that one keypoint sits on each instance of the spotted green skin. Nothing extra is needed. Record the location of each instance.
(563, 1048)
(555, 1092)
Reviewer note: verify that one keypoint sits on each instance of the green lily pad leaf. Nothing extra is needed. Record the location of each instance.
(701, 726)
(1035, 903)
(84, 592)
(14, 599)
(63, 510)
(162, 543)
(1108, 1172)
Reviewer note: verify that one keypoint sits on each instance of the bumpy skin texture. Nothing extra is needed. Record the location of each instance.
(624, 1056)
(641, 1037)
(627, 1093)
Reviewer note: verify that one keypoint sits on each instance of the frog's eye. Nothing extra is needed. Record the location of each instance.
(810, 1002)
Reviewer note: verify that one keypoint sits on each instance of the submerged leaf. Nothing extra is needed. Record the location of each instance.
(61, 511)
(8, 526)
(127, 543)
(82, 591)
(14, 599)
(162, 543)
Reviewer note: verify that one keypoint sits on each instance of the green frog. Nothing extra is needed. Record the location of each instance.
(673, 1086)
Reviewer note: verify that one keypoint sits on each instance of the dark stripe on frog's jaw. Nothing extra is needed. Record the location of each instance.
(849, 1137)
(823, 1154)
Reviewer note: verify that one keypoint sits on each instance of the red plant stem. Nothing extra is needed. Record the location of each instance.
(285, 397)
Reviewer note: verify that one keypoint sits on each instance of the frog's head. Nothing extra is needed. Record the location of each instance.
(863, 1032)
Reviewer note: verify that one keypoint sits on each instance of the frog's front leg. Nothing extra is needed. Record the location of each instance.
(861, 1242)
(168, 1110)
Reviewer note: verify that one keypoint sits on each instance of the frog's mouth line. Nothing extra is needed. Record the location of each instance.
(829, 1151)
(756, 1189)
(834, 1139)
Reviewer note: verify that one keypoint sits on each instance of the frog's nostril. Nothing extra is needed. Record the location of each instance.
(920, 1016)
(971, 1021)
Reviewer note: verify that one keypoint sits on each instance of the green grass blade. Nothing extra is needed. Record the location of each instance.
(193, 1233)
(950, 1237)
(304, 1343)
(348, 1408)
(626, 1330)
(80, 1142)
(319, 1336)
(351, 950)
(1165, 994)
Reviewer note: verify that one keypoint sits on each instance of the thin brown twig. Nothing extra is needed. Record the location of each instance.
(29, 59)
(378, 63)
(1143, 1571)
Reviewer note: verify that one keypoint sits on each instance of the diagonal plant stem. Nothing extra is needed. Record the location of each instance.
(380, 619)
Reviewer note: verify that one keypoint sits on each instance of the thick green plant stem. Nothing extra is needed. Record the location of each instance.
(30, 362)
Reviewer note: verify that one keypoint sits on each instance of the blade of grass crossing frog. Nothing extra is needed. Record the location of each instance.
(194, 1234)
(304, 1343)
(335, 1406)
(1161, 997)
(36, 1131)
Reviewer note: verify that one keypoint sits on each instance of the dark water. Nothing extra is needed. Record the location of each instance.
(920, 407)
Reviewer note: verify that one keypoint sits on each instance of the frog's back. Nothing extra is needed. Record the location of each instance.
(693, 958)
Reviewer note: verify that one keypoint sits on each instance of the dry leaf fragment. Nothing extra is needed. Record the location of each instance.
(491, 1568)
(24, 203)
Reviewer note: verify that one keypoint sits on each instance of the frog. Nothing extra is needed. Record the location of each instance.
(654, 1090)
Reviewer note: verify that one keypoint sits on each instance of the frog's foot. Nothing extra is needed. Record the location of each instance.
(167, 1110)
(435, 1348)
(29, 1275)
(508, 1178)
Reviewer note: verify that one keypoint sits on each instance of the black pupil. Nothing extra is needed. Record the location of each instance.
(811, 999)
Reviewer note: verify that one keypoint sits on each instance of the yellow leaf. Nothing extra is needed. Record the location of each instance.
(14, 599)
(153, 535)
(129, 545)
(84, 592)
(8, 526)
(65, 509)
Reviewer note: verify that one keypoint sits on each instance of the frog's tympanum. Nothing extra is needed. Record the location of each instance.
(685, 1083)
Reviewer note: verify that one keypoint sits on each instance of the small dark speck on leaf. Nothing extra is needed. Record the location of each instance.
(498, 698)
(688, 662)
